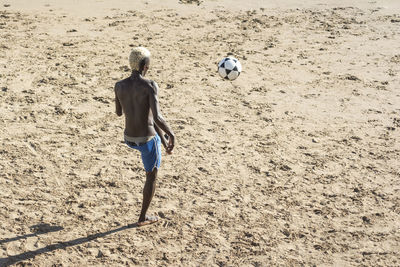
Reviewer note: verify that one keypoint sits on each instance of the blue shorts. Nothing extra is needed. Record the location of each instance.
(151, 153)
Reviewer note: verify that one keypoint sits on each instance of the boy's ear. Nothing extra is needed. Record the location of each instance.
(143, 63)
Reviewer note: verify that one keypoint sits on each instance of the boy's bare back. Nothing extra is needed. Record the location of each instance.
(134, 94)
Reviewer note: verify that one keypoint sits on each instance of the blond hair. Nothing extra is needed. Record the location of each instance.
(138, 54)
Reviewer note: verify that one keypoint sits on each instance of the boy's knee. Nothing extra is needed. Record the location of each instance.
(152, 175)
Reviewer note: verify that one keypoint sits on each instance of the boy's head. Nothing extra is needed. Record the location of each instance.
(139, 59)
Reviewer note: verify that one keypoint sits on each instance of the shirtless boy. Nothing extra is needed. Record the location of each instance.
(136, 97)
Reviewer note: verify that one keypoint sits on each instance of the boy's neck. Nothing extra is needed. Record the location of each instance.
(136, 74)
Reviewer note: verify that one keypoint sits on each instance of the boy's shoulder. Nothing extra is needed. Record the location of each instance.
(149, 82)
(152, 85)
(124, 81)
(121, 83)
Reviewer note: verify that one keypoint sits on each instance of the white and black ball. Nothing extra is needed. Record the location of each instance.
(229, 68)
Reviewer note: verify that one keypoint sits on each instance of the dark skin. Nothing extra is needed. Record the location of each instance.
(137, 98)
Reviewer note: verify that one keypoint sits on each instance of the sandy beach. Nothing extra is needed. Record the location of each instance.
(295, 163)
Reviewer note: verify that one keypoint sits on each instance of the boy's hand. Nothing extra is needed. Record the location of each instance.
(171, 144)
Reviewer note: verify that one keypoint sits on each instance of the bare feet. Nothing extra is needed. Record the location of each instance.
(148, 220)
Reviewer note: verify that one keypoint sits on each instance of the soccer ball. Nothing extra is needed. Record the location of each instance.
(229, 68)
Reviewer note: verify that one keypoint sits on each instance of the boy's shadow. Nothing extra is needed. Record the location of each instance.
(46, 228)
(36, 229)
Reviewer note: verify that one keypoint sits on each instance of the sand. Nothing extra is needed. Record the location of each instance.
(297, 162)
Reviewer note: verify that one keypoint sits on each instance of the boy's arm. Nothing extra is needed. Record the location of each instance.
(157, 117)
(118, 108)
(160, 133)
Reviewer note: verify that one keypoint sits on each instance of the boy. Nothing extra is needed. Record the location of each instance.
(137, 98)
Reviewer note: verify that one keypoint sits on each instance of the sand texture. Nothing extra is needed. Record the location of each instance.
(296, 163)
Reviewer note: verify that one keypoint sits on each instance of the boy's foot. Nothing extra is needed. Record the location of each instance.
(148, 220)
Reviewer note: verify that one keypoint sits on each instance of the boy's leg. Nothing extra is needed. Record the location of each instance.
(148, 193)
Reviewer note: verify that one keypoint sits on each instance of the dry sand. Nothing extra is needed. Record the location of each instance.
(297, 162)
